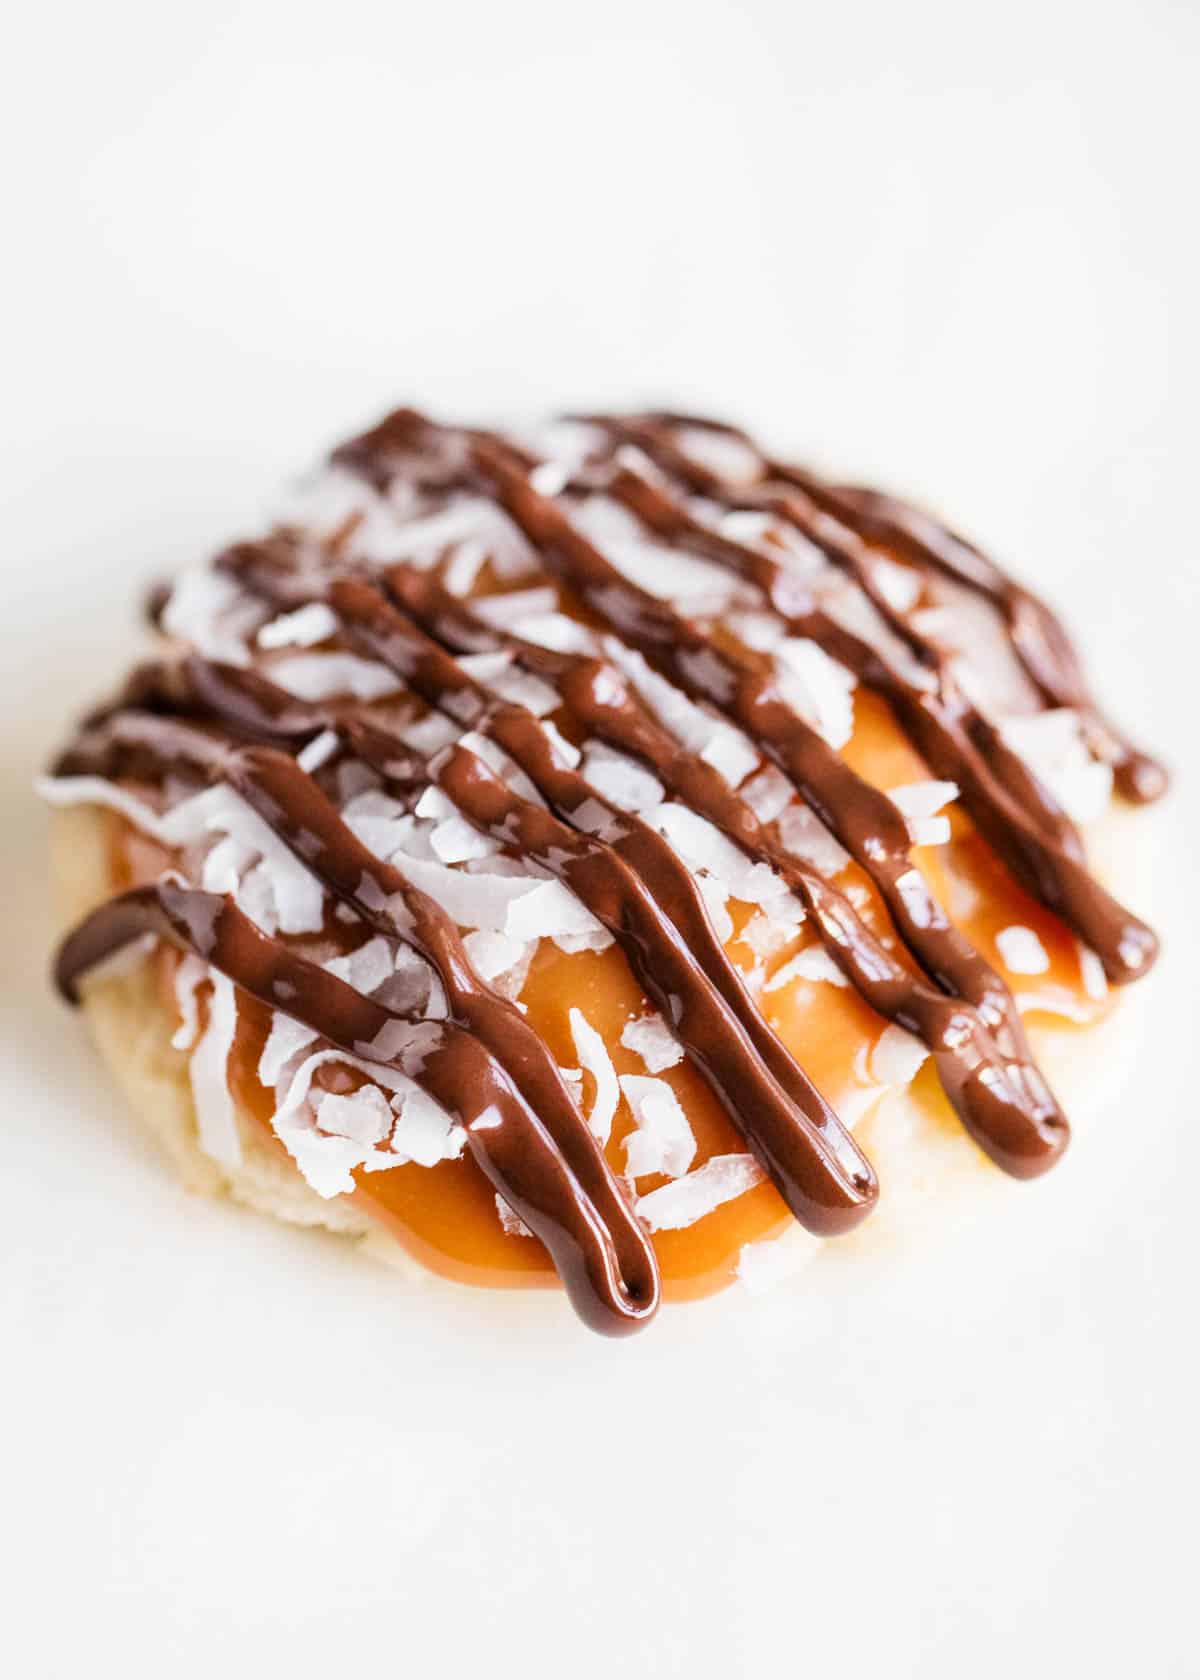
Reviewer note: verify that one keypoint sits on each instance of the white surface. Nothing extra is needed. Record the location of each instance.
(949, 245)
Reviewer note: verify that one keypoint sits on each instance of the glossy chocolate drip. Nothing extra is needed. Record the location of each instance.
(505, 1133)
(219, 721)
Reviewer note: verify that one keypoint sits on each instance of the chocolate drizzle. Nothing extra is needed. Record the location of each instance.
(211, 721)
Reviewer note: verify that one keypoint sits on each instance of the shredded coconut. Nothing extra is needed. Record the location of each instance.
(813, 963)
(768, 794)
(500, 611)
(319, 676)
(649, 1037)
(556, 631)
(919, 803)
(1052, 745)
(817, 687)
(495, 954)
(305, 627)
(364, 1116)
(673, 1206)
(216, 1117)
(423, 1132)
(1091, 973)
(897, 1056)
(318, 751)
(663, 1141)
(621, 780)
(207, 609)
(1021, 951)
(594, 1059)
(804, 834)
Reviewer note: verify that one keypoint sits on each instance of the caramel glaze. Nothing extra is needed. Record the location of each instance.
(485, 1064)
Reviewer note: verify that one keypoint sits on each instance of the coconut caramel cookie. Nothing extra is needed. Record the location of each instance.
(554, 850)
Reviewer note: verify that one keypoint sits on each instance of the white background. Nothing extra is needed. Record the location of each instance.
(951, 245)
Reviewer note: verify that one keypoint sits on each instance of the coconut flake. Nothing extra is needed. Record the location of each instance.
(207, 609)
(1054, 1000)
(716, 904)
(619, 779)
(550, 909)
(365, 969)
(594, 1059)
(693, 726)
(919, 803)
(670, 573)
(299, 896)
(731, 756)
(730, 458)
(327, 1160)
(216, 1117)
(765, 935)
(467, 560)
(494, 956)
(565, 752)
(721, 1179)
(707, 851)
(500, 611)
(549, 478)
(813, 963)
(61, 791)
(364, 1116)
(224, 865)
(768, 794)
(805, 835)
(320, 676)
(424, 1132)
(285, 1040)
(572, 943)
(429, 734)
(465, 519)
(318, 751)
(1021, 951)
(663, 1141)
(649, 1037)
(1091, 973)
(305, 627)
(899, 585)
(521, 905)
(514, 1226)
(817, 687)
(897, 1056)
(556, 631)
(1053, 747)
(458, 841)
